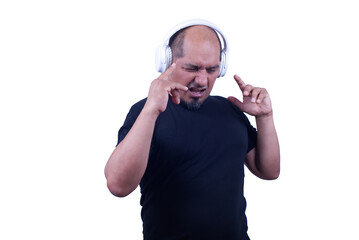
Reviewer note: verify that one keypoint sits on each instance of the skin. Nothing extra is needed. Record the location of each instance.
(190, 79)
(198, 69)
(263, 160)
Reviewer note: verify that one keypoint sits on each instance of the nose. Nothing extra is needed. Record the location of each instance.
(201, 78)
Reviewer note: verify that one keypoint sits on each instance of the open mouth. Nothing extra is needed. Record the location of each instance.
(197, 92)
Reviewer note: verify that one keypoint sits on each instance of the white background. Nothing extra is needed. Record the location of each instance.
(70, 70)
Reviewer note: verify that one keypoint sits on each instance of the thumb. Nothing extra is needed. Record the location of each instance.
(236, 102)
(176, 97)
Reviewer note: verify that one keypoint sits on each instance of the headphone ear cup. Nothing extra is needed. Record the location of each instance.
(168, 57)
(159, 58)
(163, 58)
(224, 65)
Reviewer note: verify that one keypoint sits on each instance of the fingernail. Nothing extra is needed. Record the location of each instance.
(253, 100)
(245, 93)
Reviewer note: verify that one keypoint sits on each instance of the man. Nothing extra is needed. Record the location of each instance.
(187, 149)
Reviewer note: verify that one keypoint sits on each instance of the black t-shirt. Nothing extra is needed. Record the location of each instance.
(193, 184)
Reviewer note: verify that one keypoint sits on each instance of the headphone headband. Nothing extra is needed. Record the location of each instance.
(193, 22)
(164, 52)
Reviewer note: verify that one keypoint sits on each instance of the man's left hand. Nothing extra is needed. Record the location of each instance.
(256, 101)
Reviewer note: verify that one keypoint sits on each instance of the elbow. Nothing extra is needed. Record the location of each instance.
(117, 190)
(273, 171)
(114, 186)
(269, 176)
(269, 173)
(273, 176)
(118, 185)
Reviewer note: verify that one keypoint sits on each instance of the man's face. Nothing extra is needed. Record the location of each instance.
(198, 69)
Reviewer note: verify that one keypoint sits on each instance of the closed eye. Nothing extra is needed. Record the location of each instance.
(192, 69)
(212, 70)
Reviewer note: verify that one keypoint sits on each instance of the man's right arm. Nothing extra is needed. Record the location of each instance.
(127, 164)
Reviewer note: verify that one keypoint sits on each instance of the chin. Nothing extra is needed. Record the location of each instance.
(193, 105)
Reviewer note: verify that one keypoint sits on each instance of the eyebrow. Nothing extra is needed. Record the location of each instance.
(189, 65)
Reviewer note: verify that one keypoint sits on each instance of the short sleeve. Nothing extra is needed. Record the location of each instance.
(251, 131)
(130, 120)
(252, 136)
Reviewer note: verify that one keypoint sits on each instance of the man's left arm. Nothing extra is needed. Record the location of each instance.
(263, 160)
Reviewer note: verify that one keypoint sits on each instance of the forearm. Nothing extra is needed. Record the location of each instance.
(128, 162)
(267, 151)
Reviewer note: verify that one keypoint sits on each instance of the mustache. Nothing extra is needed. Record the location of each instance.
(195, 85)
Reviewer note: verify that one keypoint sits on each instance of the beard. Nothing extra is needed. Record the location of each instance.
(194, 105)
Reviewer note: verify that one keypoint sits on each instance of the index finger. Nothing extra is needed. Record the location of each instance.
(240, 82)
(168, 72)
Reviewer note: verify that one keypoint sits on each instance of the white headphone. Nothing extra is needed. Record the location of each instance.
(164, 52)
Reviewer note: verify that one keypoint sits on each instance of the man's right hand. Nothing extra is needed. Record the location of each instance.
(160, 89)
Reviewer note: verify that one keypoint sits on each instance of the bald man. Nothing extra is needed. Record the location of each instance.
(187, 149)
